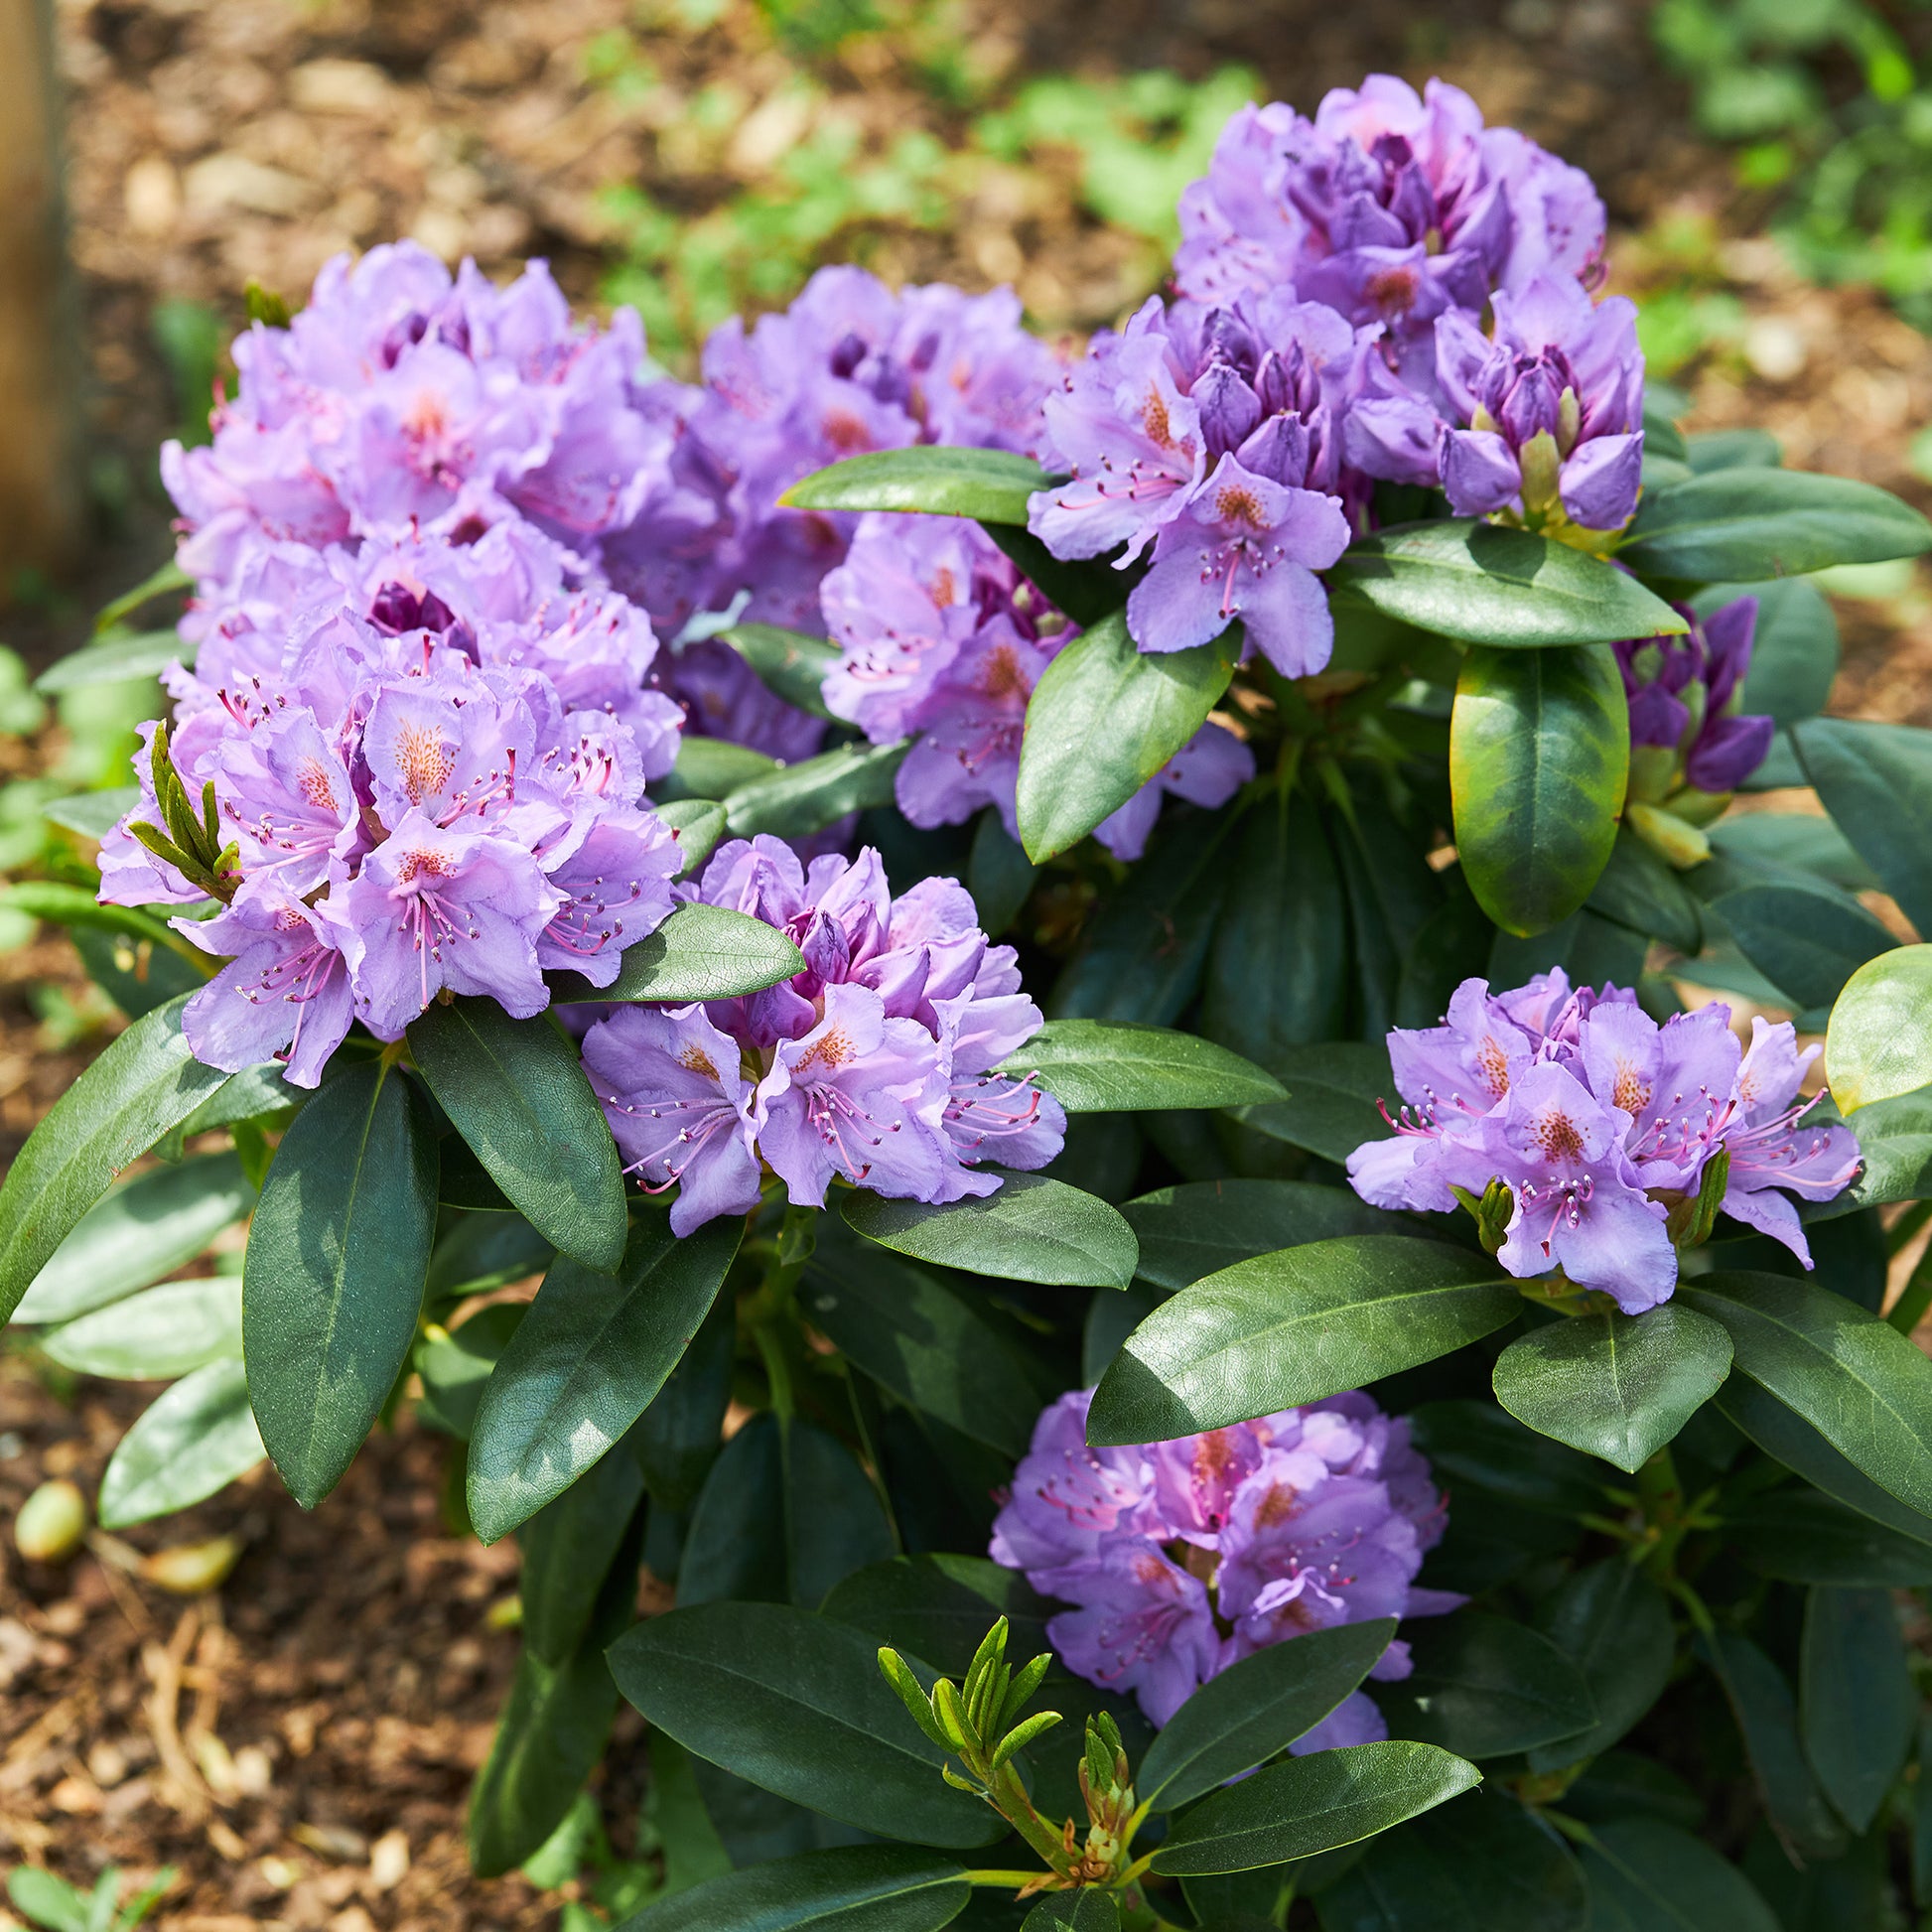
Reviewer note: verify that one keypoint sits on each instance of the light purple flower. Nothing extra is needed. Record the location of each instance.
(1687, 720)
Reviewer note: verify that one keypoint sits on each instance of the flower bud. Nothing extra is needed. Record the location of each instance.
(51, 1523)
(192, 1569)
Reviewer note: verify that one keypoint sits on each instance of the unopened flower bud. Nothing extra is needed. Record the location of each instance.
(192, 1569)
(51, 1523)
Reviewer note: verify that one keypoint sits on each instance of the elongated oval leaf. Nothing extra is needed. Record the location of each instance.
(701, 953)
(190, 1440)
(1806, 941)
(1618, 1386)
(1647, 1876)
(795, 1704)
(93, 814)
(1539, 754)
(1483, 1686)
(1033, 1230)
(1879, 1042)
(848, 1889)
(1109, 1067)
(1293, 1328)
(117, 658)
(1767, 1720)
(568, 1547)
(1202, 1226)
(697, 824)
(1855, 1701)
(591, 1355)
(1102, 721)
(136, 1233)
(1804, 1536)
(1613, 1623)
(1852, 1377)
(78, 908)
(1875, 780)
(1306, 1805)
(1737, 525)
(790, 663)
(517, 1094)
(804, 798)
(940, 1606)
(1256, 1708)
(332, 1279)
(1504, 588)
(991, 485)
(1333, 1095)
(162, 1331)
(146, 1082)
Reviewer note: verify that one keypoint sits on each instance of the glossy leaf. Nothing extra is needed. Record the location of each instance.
(1034, 1229)
(1879, 1042)
(991, 485)
(677, 1437)
(924, 1340)
(940, 1606)
(1087, 589)
(790, 663)
(333, 1281)
(158, 1333)
(795, 1704)
(1102, 721)
(1306, 1805)
(735, 1545)
(1618, 1386)
(1255, 1708)
(1640, 891)
(1332, 1091)
(1767, 1720)
(1295, 1326)
(1804, 1536)
(835, 1523)
(1475, 1442)
(146, 1082)
(1490, 586)
(456, 1366)
(193, 1438)
(591, 1355)
(701, 953)
(712, 768)
(1806, 941)
(1856, 1379)
(1875, 780)
(568, 1547)
(698, 824)
(1856, 1705)
(999, 875)
(1539, 753)
(93, 814)
(1647, 1876)
(1086, 1910)
(1487, 1687)
(803, 798)
(118, 657)
(1202, 1226)
(1895, 1138)
(1100, 1066)
(136, 1233)
(844, 1888)
(517, 1094)
(1739, 526)
(1613, 1623)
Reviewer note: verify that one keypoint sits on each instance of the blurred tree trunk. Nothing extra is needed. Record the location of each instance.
(42, 499)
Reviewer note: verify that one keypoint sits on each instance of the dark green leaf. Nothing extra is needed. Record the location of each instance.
(1875, 780)
(1312, 1804)
(677, 1437)
(568, 1549)
(1489, 586)
(1256, 1708)
(1731, 448)
(1333, 1093)
(835, 1523)
(1895, 1138)
(1086, 589)
(1767, 1720)
(1102, 721)
(592, 1353)
(1618, 1386)
(924, 1340)
(701, 953)
(1613, 1623)
(1295, 1326)
(795, 1704)
(332, 1282)
(1640, 891)
(146, 1082)
(1794, 645)
(1879, 1042)
(136, 974)
(806, 797)
(991, 485)
(1086, 1910)
(735, 1545)
(1392, 895)
(1739, 526)
(456, 1365)
(1794, 846)
(1645, 1877)
(159, 1333)
(518, 1094)
(1202, 1226)
(1475, 1442)
(481, 1251)
(193, 1438)
(940, 1606)
(790, 663)
(118, 657)
(1806, 941)
(1621, 1784)
(1487, 1687)
(1803, 1536)
(999, 875)
(1033, 1230)
(1856, 1379)
(698, 824)
(1857, 1705)
(1099, 1066)
(136, 1233)
(844, 1888)
(1538, 752)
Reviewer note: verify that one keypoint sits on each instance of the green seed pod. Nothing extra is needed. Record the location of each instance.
(51, 1523)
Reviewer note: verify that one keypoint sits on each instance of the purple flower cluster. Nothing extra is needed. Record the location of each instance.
(874, 1065)
(1688, 725)
(1182, 1557)
(1597, 1119)
(850, 366)
(942, 642)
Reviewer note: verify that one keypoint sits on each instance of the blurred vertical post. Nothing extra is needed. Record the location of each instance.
(42, 495)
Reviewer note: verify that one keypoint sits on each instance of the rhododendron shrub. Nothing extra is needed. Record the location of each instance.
(1114, 1044)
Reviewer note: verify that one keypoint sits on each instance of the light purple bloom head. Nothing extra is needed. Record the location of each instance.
(1180, 1558)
